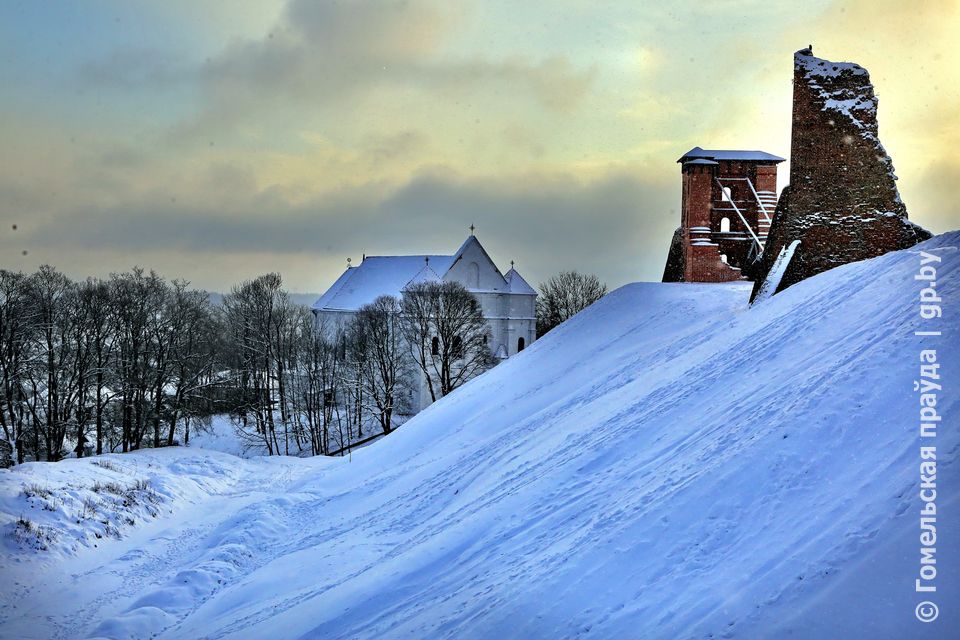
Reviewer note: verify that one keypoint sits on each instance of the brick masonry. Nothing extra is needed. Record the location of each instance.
(842, 202)
(727, 199)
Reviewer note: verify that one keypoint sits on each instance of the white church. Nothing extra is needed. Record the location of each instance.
(507, 301)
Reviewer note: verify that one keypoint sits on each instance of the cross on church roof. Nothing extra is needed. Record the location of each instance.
(472, 228)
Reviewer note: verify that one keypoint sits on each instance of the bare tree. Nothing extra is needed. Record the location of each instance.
(100, 331)
(447, 334)
(418, 306)
(165, 328)
(565, 295)
(55, 382)
(17, 331)
(259, 317)
(138, 300)
(321, 380)
(356, 357)
(192, 354)
(383, 363)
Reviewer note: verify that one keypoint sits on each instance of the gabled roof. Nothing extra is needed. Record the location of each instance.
(389, 275)
(729, 154)
(374, 277)
(325, 301)
(426, 274)
(516, 283)
(472, 240)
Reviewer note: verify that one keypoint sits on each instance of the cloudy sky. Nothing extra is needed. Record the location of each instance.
(216, 140)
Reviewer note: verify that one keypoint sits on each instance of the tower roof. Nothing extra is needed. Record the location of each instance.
(729, 154)
(516, 283)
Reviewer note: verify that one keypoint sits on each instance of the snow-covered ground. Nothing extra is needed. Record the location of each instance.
(221, 435)
(667, 464)
(195, 525)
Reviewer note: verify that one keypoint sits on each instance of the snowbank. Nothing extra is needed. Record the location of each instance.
(64, 507)
(667, 464)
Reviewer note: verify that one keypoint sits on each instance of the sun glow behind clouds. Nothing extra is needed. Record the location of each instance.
(217, 141)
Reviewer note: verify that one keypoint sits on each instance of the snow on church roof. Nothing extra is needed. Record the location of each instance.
(374, 277)
(516, 283)
(426, 274)
(389, 275)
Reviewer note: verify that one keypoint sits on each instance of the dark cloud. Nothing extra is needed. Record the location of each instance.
(617, 226)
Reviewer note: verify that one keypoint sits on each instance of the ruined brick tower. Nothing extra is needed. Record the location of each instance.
(842, 204)
(727, 206)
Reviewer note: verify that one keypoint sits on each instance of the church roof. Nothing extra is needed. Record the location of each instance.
(516, 283)
(472, 240)
(426, 274)
(729, 154)
(374, 277)
(389, 275)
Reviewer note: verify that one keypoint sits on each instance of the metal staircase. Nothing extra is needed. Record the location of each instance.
(766, 205)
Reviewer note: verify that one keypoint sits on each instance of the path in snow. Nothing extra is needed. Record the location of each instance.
(180, 559)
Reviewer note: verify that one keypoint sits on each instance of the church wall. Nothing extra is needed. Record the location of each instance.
(509, 316)
(475, 271)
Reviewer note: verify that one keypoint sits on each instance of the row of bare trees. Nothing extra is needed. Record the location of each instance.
(102, 364)
(133, 361)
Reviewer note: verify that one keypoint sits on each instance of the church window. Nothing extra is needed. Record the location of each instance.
(435, 347)
(521, 343)
(725, 225)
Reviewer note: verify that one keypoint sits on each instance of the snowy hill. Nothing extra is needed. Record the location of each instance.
(695, 469)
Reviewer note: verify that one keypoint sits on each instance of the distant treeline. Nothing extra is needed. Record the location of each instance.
(134, 360)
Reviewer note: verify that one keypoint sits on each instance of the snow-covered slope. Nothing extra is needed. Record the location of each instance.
(667, 464)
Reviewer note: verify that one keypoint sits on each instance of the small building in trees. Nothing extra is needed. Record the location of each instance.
(507, 301)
